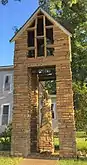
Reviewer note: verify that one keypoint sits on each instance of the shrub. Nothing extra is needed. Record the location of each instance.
(5, 138)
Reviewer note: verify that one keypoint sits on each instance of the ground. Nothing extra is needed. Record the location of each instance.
(72, 162)
(9, 161)
(52, 162)
(18, 161)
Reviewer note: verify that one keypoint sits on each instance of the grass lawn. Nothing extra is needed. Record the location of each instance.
(81, 143)
(9, 161)
(72, 162)
(15, 161)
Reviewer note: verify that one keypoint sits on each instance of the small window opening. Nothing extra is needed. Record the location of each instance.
(30, 38)
(52, 110)
(31, 53)
(5, 114)
(48, 23)
(50, 51)
(32, 25)
(7, 83)
(49, 36)
(40, 47)
(40, 30)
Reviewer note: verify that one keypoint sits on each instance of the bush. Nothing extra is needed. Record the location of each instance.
(81, 134)
(5, 139)
(80, 104)
(7, 132)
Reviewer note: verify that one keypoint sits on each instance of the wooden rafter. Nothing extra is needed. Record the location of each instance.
(44, 37)
(35, 38)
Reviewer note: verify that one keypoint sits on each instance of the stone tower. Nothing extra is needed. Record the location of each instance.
(40, 44)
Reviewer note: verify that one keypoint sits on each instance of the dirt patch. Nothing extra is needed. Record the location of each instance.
(38, 162)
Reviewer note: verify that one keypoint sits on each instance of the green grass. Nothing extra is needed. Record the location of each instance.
(9, 161)
(15, 161)
(56, 141)
(81, 143)
(81, 134)
(72, 162)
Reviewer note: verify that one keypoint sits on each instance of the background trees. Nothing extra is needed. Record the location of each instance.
(73, 15)
(4, 2)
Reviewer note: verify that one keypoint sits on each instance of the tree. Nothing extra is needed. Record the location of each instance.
(4, 2)
(51, 86)
(80, 102)
(73, 15)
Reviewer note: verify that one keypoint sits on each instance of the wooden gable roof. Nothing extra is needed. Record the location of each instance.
(33, 16)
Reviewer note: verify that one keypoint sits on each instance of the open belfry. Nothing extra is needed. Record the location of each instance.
(42, 52)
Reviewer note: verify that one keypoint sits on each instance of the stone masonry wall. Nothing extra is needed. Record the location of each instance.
(64, 97)
(65, 111)
(20, 132)
(21, 118)
(34, 114)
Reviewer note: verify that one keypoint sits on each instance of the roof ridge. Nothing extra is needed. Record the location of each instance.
(30, 19)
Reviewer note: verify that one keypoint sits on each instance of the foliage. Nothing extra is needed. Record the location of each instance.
(72, 162)
(73, 15)
(7, 132)
(51, 86)
(80, 142)
(80, 102)
(5, 138)
(9, 161)
(80, 134)
(5, 144)
(56, 143)
(4, 2)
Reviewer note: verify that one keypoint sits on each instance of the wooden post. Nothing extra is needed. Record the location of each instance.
(45, 54)
(35, 38)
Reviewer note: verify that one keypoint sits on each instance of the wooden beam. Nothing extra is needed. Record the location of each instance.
(47, 78)
(31, 29)
(49, 27)
(31, 48)
(40, 37)
(45, 51)
(70, 48)
(35, 39)
(50, 46)
(39, 16)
